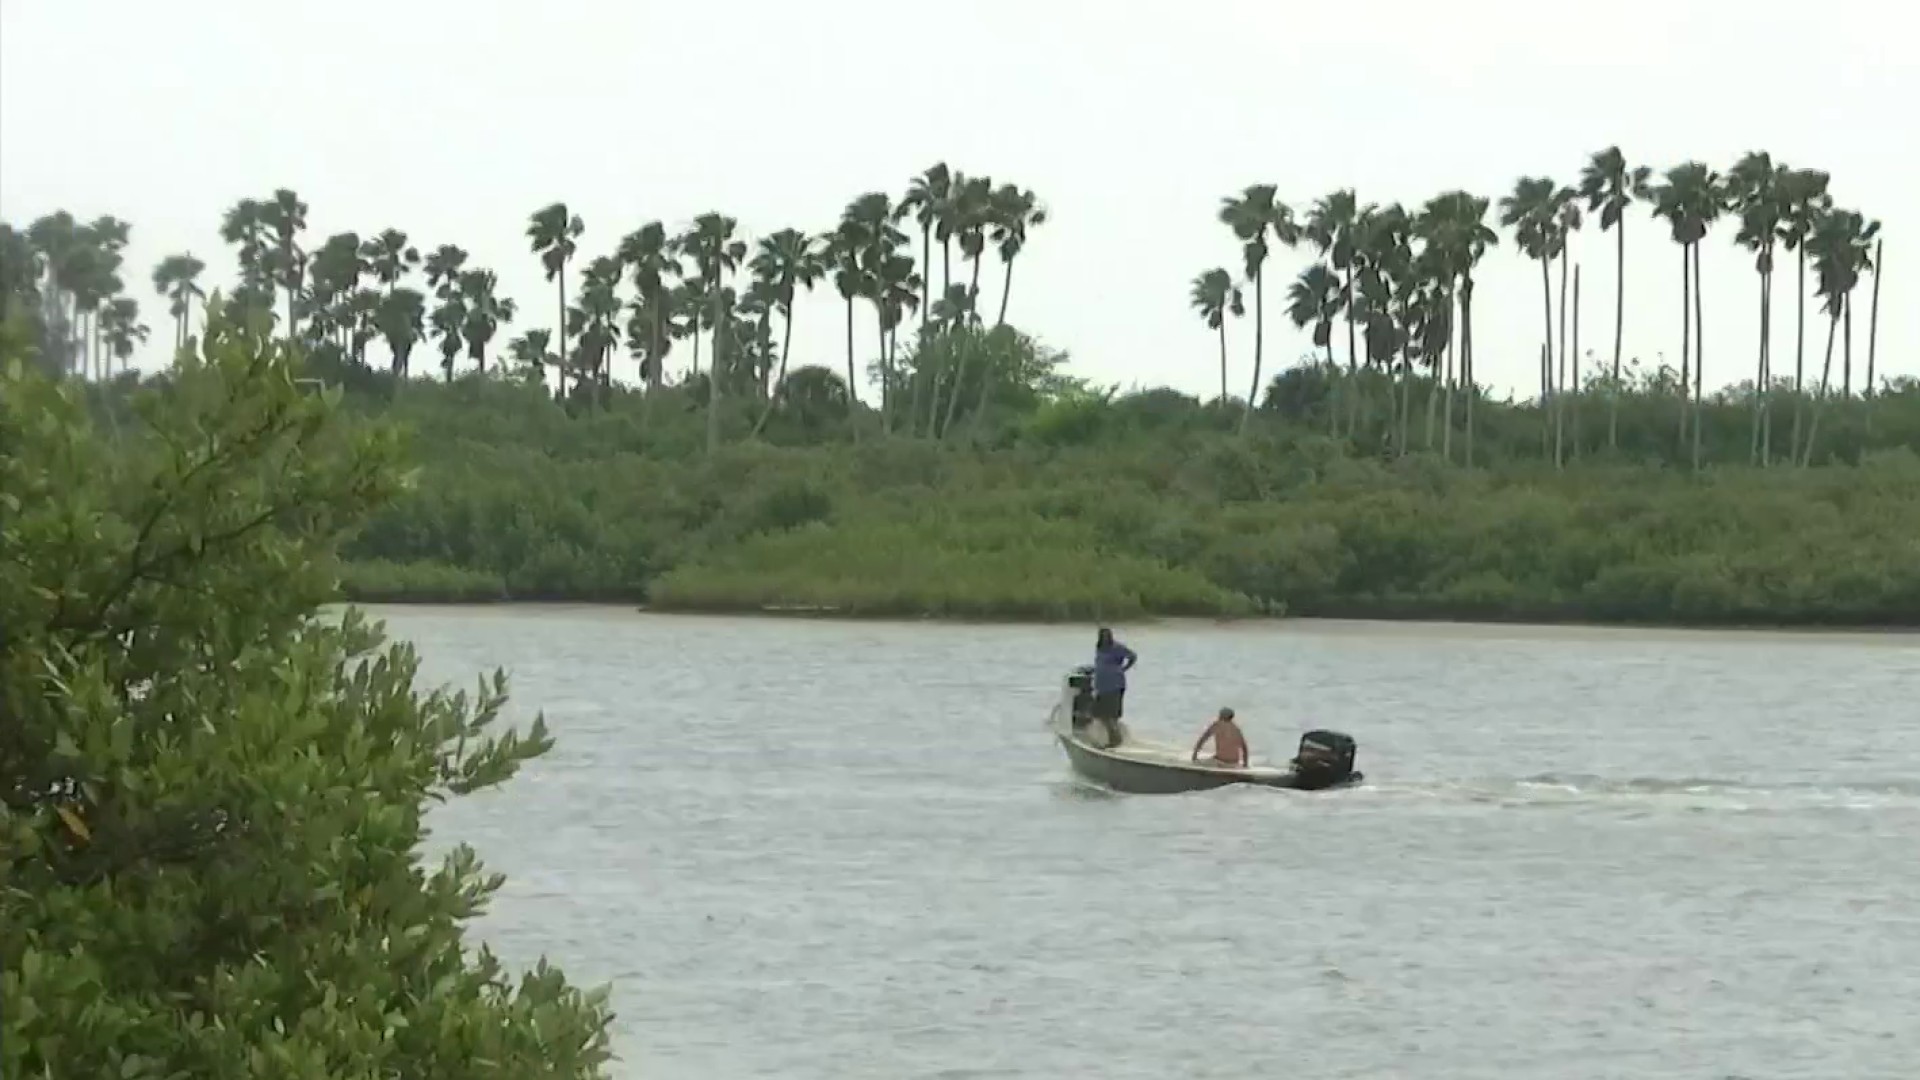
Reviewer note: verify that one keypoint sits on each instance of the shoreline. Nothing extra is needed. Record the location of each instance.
(1356, 618)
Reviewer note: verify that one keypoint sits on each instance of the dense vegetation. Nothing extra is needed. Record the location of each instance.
(211, 798)
(982, 481)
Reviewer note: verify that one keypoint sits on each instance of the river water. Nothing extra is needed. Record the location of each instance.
(825, 849)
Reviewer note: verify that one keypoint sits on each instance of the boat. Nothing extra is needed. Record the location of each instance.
(1137, 766)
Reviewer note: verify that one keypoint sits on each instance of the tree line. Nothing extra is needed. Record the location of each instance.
(1402, 281)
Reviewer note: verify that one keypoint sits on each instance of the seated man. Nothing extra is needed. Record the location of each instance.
(1229, 746)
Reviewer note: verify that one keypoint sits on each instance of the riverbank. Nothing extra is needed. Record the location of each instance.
(1571, 627)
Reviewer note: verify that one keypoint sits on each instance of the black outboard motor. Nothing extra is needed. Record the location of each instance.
(1325, 759)
(1081, 679)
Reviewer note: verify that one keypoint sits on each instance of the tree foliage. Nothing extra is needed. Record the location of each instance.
(211, 796)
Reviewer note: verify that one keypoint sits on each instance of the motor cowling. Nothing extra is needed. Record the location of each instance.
(1325, 758)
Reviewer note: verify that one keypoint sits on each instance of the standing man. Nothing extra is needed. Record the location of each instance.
(1111, 662)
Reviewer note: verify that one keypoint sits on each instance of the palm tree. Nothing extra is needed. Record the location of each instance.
(1610, 187)
(554, 233)
(1330, 227)
(177, 279)
(1316, 298)
(487, 312)
(121, 330)
(715, 253)
(972, 214)
(390, 257)
(1216, 297)
(400, 320)
(447, 321)
(443, 269)
(1010, 213)
(245, 224)
(928, 200)
(649, 257)
(1253, 215)
(592, 321)
(533, 352)
(1804, 201)
(1531, 213)
(1753, 193)
(1841, 246)
(285, 218)
(1566, 221)
(787, 261)
(1690, 199)
(333, 277)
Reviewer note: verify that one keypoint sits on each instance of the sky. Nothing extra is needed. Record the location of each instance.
(455, 121)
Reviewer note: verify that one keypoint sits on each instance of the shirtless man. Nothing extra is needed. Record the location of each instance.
(1229, 746)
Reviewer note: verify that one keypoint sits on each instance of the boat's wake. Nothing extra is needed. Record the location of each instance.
(1689, 792)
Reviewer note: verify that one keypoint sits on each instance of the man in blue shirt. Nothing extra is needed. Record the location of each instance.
(1111, 662)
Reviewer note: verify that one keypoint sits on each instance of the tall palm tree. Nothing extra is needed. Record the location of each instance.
(401, 319)
(1011, 212)
(593, 322)
(443, 269)
(1753, 193)
(246, 225)
(1254, 215)
(333, 277)
(649, 256)
(1610, 187)
(533, 352)
(1804, 201)
(285, 218)
(1215, 297)
(1566, 221)
(1531, 213)
(786, 262)
(447, 322)
(715, 253)
(177, 279)
(1316, 298)
(121, 331)
(840, 251)
(1841, 246)
(390, 257)
(1330, 227)
(1690, 198)
(928, 200)
(487, 312)
(554, 233)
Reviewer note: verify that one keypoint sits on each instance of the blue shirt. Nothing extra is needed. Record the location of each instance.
(1109, 667)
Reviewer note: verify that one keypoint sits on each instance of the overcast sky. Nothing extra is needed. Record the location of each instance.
(454, 121)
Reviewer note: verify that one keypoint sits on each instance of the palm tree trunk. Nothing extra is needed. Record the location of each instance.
(1223, 356)
(1686, 343)
(853, 397)
(1446, 379)
(1006, 288)
(1619, 325)
(1754, 452)
(926, 269)
(1826, 372)
(1259, 341)
(1560, 374)
(786, 345)
(1799, 357)
(1546, 357)
(959, 354)
(1699, 359)
(1873, 320)
(1353, 359)
(886, 377)
(1846, 337)
(1468, 385)
(716, 370)
(1578, 391)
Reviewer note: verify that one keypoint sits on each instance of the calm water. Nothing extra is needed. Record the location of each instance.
(814, 849)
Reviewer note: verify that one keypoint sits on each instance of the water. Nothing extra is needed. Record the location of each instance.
(816, 849)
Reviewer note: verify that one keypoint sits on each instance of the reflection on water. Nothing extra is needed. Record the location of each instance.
(851, 850)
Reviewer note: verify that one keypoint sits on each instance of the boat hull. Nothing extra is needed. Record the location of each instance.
(1136, 775)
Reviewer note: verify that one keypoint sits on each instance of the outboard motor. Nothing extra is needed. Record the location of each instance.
(1080, 679)
(1325, 759)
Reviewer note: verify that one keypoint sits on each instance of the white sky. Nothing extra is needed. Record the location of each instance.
(454, 121)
